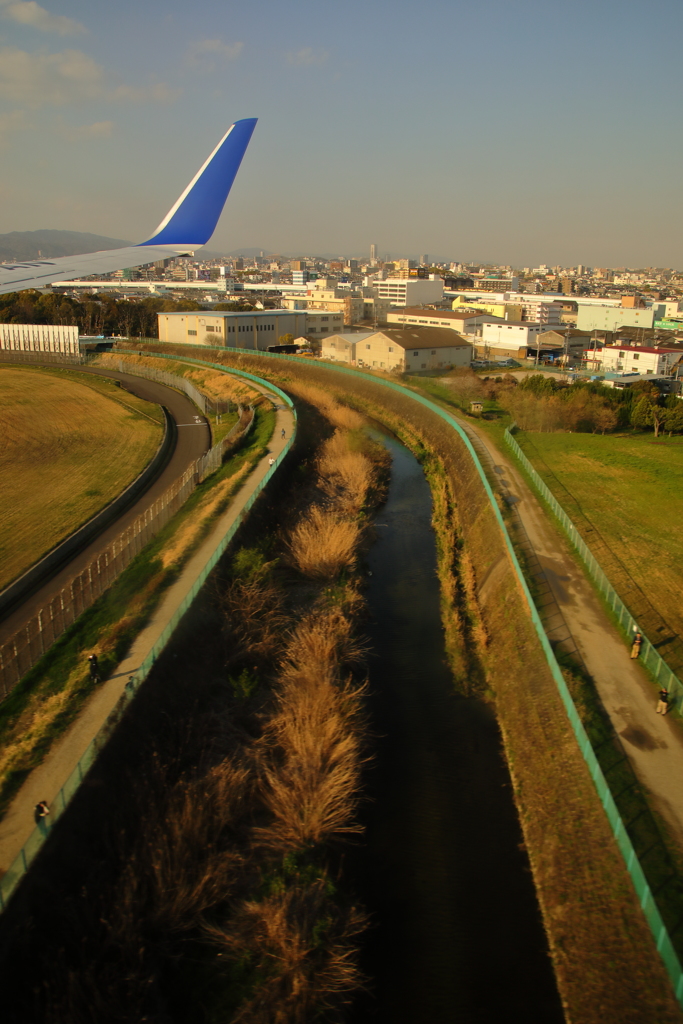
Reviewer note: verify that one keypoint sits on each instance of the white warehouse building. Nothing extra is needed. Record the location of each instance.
(410, 291)
(258, 329)
(510, 336)
(38, 338)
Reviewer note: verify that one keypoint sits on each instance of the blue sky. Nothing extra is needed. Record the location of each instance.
(522, 132)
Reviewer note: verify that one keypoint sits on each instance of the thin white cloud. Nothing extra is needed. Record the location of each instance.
(200, 54)
(158, 92)
(55, 79)
(40, 79)
(307, 57)
(28, 12)
(75, 133)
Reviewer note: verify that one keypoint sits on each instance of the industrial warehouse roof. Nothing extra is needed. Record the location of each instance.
(424, 337)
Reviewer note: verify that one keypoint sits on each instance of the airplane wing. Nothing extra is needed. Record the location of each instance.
(187, 226)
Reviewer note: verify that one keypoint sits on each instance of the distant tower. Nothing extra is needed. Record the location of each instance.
(373, 251)
(424, 259)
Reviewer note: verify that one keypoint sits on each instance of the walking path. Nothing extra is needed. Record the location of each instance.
(190, 445)
(653, 743)
(46, 780)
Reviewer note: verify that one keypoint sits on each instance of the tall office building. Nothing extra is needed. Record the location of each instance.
(373, 251)
(424, 259)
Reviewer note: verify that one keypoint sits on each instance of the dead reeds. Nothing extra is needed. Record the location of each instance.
(323, 544)
(312, 749)
(345, 475)
(304, 946)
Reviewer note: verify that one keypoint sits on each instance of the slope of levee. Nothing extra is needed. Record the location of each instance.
(70, 446)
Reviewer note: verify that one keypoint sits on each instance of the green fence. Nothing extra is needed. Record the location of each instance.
(18, 869)
(649, 656)
(643, 891)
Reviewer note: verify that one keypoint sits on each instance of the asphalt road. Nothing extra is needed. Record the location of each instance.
(194, 438)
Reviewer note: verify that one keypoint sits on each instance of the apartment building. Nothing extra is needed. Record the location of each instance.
(464, 321)
(637, 359)
(411, 291)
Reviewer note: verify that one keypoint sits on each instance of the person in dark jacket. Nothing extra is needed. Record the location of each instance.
(663, 702)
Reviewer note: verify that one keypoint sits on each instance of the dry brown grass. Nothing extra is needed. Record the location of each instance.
(312, 752)
(255, 616)
(345, 475)
(305, 947)
(186, 536)
(341, 416)
(323, 544)
(186, 860)
(213, 383)
(67, 450)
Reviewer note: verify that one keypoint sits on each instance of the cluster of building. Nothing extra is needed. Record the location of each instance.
(412, 315)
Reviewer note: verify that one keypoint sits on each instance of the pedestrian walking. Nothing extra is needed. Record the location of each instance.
(283, 434)
(663, 702)
(94, 669)
(271, 461)
(41, 811)
(637, 643)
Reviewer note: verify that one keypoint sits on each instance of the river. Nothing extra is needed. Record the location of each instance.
(457, 930)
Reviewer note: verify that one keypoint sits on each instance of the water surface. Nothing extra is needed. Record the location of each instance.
(458, 934)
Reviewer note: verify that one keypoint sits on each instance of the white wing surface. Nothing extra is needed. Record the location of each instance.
(187, 226)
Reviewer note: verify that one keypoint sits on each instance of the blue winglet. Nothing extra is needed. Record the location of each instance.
(193, 218)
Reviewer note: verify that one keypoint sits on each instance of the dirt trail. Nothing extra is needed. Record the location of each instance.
(653, 743)
(45, 781)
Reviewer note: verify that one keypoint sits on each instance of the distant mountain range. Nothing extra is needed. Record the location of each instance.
(31, 245)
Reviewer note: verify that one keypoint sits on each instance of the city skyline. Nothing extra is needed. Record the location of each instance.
(515, 135)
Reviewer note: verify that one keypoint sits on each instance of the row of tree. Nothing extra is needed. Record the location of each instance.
(541, 403)
(98, 314)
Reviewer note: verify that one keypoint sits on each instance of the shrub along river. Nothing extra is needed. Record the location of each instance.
(457, 930)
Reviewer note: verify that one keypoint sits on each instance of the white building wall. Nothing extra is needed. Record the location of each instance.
(415, 291)
(633, 360)
(611, 318)
(38, 338)
(510, 336)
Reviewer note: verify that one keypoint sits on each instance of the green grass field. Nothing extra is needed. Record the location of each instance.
(624, 492)
(70, 443)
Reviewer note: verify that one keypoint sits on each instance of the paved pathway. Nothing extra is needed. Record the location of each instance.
(191, 443)
(46, 780)
(653, 743)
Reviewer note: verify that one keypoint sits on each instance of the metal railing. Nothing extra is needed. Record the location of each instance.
(57, 358)
(649, 655)
(28, 853)
(642, 888)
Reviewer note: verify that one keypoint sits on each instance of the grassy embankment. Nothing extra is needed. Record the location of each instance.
(50, 696)
(623, 492)
(71, 443)
(604, 956)
(213, 383)
(659, 854)
(226, 896)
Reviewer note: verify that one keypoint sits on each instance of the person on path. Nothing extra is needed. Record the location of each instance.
(663, 702)
(271, 461)
(283, 434)
(41, 811)
(637, 642)
(94, 668)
